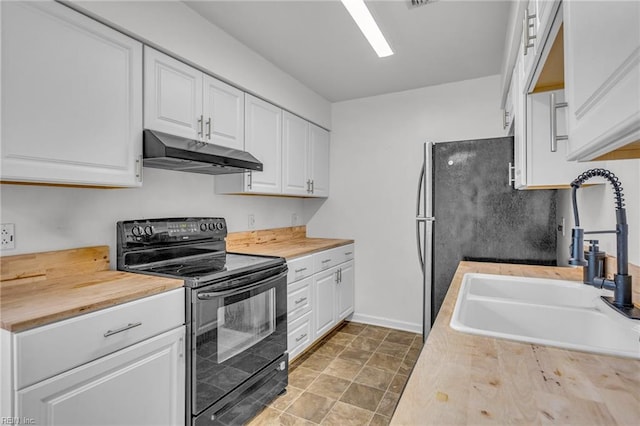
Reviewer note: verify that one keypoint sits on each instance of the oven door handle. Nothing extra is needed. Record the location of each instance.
(213, 294)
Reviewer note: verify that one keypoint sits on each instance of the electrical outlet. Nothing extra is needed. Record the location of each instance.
(562, 228)
(252, 221)
(294, 219)
(8, 235)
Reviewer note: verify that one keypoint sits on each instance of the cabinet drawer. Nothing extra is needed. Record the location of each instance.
(300, 335)
(332, 257)
(300, 268)
(326, 259)
(46, 351)
(299, 300)
(346, 253)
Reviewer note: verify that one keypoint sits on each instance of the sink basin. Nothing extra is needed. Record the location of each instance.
(565, 314)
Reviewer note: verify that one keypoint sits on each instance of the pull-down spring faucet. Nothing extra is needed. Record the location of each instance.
(621, 283)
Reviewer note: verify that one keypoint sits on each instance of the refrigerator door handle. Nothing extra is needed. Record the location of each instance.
(418, 217)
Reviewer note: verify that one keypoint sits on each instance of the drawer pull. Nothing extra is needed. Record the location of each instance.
(326, 261)
(300, 270)
(301, 337)
(348, 253)
(120, 330)
(299, 301)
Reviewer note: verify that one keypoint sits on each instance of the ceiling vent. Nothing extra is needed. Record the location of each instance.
(416, 3)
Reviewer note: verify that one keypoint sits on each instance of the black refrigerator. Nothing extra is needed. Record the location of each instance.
(467, 209)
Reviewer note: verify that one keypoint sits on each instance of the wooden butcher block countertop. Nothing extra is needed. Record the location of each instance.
(42, 288)
(284, 242)
(464, 379)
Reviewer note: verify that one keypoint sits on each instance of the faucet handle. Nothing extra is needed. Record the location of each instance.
(593, 245)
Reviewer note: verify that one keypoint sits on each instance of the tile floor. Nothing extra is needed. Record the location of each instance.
(353, 377)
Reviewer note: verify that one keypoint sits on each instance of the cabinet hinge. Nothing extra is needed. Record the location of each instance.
(139, 168)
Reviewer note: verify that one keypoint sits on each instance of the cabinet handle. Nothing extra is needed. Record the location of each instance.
(312, 186)
(340, 274)
(554, 122)
(308, 186)
(301, 337)
(209, 128)
(299, 301)
(201, 125)
(250, 180)
(325, 261)
(512, 179)
(505, 119)
(337, 277)
(527, 38)
(300, 270)
(348, 253)
(120, 330)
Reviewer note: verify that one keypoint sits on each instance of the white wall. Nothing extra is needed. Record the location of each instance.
(376, 148)
(178, 30)
(56, 218)
(597, 210)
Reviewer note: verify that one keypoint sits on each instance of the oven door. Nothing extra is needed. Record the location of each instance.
(235, 334)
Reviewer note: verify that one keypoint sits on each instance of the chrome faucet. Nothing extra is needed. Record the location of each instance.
(621, 283)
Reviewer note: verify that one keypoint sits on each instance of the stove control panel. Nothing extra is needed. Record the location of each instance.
(173, 230)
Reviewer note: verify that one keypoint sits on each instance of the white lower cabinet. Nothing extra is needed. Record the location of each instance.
(300, 334)
(140, 385)
(321, 290)
(123, 365)
(325, 295)
(345, 290)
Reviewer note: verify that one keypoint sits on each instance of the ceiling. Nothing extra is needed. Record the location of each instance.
(319, 44)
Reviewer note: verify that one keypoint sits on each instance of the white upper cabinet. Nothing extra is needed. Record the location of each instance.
(71, 98)
(263, 136)
(172, 95)
(546, 142)
(536, 24)
(305, 164)
(319, 161)
(223, 110)
(295, 151)
(602, 74)
(183, 101)
(294, 154)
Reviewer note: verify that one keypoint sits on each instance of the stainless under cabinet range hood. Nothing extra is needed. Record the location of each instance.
(165, 151)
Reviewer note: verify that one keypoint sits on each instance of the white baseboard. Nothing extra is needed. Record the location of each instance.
(386, 322)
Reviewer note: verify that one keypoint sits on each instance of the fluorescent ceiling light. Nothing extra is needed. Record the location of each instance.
(368, 26)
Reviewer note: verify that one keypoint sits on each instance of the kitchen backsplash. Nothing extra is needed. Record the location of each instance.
(53, 218)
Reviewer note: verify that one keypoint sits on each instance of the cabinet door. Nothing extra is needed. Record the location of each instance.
(223, 110)
(602, 75)
(346, 290)
(541, 14)
(71, 98)
(143, 384)
(319, 161)
(263, 139)
(172, 96)
(544, 167)
(324, 308)
(519, 126)
(295, 147)
(300, 335)
(299, 298)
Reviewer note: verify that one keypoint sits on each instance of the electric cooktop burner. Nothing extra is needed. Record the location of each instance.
(192, 249)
